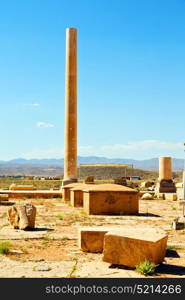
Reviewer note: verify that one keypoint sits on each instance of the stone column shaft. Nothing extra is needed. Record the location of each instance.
(70, 135)
(165, 168)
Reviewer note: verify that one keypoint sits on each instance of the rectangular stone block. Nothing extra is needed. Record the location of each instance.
(66, 190)
(76, 197)
(92, 239)
(111, 199)
(131, 246)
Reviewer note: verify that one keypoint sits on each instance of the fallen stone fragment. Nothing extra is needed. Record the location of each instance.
(22, 216)
(16, 252)
(42, 268)
(36, 259)
(147, 196)
(130, 246)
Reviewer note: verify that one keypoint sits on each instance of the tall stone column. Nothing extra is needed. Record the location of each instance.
(70, 134)
(165, 182)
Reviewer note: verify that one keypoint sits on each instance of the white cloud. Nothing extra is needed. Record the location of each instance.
(33, 104)
(55, 152)
(85, 150)
(145, 149)
(44, 125)
(142, 145)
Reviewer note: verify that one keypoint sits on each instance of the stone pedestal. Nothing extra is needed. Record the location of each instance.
(110, 199)
(166, 186)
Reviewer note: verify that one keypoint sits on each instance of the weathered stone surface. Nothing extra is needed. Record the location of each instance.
(147, 196)
(170, 196)
(16, 234)
(89, 179)
(22, 217)
(92, 239)
(111, 199)
(131, 246)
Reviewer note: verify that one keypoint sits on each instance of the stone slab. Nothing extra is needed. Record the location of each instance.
(7, 233)
(130, 246)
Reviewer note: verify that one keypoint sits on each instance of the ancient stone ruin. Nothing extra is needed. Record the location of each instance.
(111, 199)
(165, 182)
(22, 216)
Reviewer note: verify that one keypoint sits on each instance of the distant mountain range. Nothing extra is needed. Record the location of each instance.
(55, 166)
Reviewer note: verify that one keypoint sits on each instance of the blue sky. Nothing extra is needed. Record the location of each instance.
(131, 77)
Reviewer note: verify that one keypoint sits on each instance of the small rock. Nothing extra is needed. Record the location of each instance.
(181, 219)
(16, 252)
(42, 268)
(147, 196)
(36, 259)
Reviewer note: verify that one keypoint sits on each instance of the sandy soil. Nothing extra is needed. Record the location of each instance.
(53, 246)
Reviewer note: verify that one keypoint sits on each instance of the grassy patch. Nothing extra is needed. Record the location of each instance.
(45, 242)
(65, 238)
(3, 216)
(174, 208)
(173, 247)
(146, 268)
(60, 217)
(5, 247)
(74, 268)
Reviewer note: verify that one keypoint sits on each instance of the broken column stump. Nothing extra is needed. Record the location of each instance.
(22, 216)
(131, 246)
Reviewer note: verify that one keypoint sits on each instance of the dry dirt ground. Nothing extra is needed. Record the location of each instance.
(51, 250)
